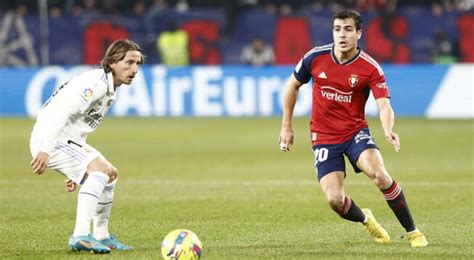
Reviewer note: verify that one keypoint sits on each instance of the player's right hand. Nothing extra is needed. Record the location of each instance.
(40, 162)
(286, 138)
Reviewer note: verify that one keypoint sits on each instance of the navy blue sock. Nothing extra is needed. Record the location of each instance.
(351, 211)
(398, 204)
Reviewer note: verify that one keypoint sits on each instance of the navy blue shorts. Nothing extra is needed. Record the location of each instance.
(329, 157)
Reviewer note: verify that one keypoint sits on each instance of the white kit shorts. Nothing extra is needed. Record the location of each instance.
(70, 158)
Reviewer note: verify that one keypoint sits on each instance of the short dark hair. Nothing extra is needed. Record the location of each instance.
(117, 51)
(349, 13)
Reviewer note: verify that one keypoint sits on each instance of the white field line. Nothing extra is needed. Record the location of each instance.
(270, 183)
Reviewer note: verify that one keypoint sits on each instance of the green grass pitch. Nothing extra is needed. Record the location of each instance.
(227, 180)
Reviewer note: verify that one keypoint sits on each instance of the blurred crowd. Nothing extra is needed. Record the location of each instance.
(171, 44)
(144, 7)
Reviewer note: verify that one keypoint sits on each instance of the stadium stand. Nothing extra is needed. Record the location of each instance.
(215, 38)
(292, 40)
(466, 38)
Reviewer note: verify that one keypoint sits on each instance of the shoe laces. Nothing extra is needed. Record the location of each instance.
(414, 236)
(115, 240)
(374, 232)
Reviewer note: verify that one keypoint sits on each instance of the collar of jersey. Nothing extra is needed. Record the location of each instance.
(333, 55)
(110, 83)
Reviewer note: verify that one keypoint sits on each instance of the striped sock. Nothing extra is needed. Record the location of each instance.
(351, 211)
(398, 204)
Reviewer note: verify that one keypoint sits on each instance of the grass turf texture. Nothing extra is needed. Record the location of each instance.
(226, 180)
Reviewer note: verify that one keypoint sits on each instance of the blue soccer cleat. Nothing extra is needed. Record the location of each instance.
(113, 243)
(87, 243)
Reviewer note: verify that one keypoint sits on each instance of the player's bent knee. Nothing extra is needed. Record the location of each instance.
(113, 173)
(382, 180)
(103, 166)
(336, 203)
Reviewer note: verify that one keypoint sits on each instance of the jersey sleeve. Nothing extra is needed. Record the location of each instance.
(69, 102)
(303, 69)
(378, 85)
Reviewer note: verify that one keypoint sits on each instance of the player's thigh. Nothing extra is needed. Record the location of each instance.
(358, 145)
(328, 159)
(101, 164)
(371, 163)
(71, 159)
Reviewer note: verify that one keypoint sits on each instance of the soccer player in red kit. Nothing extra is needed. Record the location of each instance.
(343, 76)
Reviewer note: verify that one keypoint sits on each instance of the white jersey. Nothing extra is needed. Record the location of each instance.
(74, 110)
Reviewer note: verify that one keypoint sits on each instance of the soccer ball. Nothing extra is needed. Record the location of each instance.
(181, 244)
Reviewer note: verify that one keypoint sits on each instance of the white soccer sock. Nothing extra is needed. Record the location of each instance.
(87, 201)
(102, 214)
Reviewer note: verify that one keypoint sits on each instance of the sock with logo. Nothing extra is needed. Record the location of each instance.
(351, 211)
(396, 200)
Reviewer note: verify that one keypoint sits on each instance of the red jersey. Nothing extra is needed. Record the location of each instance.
(340, 92)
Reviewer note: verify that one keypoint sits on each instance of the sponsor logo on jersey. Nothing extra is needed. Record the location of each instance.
(336, 95)
(322, 75)
(88, 93)
(93, 119)
(381, 85)
(353, 80)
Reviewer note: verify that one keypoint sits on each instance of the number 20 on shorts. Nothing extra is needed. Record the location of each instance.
(320, 155)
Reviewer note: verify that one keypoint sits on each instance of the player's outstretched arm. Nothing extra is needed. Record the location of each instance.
(290, 96)
(387, 119)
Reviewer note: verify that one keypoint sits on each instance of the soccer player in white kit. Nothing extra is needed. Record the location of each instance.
(58, 142)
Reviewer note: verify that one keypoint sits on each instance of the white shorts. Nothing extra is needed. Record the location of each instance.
(70, 158)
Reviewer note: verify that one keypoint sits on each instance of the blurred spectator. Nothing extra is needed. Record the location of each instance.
(271, 8)
(154, 23)
(286, 9)
(257, 53)
(55, 12)
(443, 51)
(173, 45)
(158, 7)
(21, 10)
(182, 6)
(76, 10)
(91, 9)
(56, 8)
(138, 8)
(155, 14)
(110, 7)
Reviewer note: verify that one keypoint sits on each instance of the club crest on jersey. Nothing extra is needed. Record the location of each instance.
(88, 93)
(353, 80)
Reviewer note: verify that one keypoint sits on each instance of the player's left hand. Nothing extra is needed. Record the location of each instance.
(393, 139)
(70, 185)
